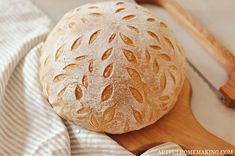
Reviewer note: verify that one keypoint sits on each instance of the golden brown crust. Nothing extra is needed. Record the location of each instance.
(112, 67)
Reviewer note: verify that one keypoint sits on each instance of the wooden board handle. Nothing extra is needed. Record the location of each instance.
(213, 45)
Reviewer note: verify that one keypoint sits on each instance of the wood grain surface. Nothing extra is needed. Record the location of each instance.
(178, 126)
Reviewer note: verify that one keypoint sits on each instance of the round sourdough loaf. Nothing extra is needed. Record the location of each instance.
(112, 67)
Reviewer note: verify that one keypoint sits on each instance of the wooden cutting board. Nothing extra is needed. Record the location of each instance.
(178, 126)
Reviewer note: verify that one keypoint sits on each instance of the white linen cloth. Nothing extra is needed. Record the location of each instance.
(28, 125)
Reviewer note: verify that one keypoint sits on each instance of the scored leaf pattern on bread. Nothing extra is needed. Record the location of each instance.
(113, 70)
(109, 113)
(131, 27)
(128, 17)
(107, 53)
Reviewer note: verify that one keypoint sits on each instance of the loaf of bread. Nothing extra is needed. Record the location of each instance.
(112, 67)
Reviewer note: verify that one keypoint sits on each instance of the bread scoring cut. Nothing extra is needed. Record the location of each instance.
(112, 67)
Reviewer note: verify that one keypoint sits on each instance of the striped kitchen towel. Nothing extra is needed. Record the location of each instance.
(28, 125)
